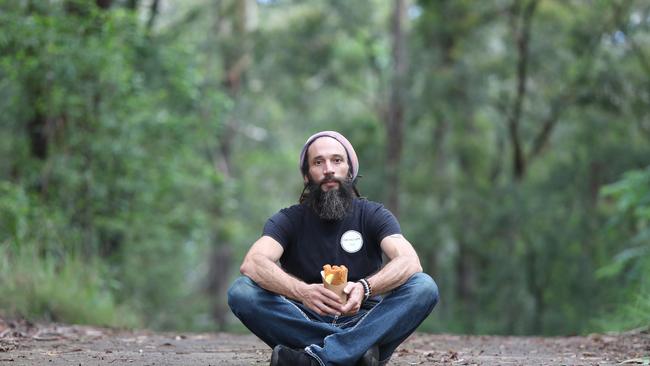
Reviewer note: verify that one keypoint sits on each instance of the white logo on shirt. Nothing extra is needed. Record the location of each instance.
(351, 241)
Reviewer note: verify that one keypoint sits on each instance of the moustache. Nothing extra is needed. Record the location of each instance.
(330, 180)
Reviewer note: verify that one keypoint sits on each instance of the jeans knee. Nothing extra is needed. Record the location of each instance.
(424, 288)
(242, 292)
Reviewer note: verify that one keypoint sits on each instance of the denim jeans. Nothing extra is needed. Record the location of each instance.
(383, 320)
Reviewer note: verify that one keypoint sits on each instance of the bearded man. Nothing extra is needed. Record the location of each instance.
(281, 297)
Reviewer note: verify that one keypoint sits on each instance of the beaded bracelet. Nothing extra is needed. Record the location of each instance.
(367, 290)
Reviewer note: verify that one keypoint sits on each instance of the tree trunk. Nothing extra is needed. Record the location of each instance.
(235, 53)
(153, 13)
(37, 132)
(522, 37)
(132, 4)
(465, 288)
(220, 266)
(104, 4)
(396, 108)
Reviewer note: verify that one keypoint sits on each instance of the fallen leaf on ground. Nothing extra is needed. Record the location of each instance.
(637, 361)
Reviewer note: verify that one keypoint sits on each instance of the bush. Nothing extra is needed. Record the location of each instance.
(40, 278)
(630, 201)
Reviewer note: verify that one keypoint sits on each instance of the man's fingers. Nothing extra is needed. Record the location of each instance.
(326, 302)
(329, 311)
(355, 297)
(329, 302)
(352, 311)
(321, 308)
(347, 307)
(350, 305)
(331, 295)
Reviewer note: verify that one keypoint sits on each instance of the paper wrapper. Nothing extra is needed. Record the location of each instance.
(337, 289)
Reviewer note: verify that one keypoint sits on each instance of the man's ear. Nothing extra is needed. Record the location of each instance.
(305, 179)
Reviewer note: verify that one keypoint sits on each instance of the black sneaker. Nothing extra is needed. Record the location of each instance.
(285, 356)
(370, 358)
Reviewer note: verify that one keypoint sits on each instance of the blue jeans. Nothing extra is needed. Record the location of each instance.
(383, 320)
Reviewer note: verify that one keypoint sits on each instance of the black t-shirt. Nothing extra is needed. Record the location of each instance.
(310, 242)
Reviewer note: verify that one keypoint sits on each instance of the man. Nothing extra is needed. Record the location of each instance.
(286, 304)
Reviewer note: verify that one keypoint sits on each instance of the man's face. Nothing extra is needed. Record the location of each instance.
(327, 160)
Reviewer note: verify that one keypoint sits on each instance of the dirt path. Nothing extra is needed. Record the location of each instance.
(24, 344)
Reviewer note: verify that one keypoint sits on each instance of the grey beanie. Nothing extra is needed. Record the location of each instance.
(352, 155)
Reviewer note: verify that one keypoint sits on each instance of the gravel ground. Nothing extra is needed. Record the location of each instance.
(22, 343)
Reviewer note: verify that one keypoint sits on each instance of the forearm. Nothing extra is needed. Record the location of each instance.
(268, 275)
(394, 274)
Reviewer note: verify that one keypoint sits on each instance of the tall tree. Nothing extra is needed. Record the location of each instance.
(395, 118)
(521, 23)
(232, 41)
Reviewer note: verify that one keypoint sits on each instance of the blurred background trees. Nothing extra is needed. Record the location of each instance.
(145, 142)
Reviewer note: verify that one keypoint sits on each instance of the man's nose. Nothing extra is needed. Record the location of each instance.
(329, 168)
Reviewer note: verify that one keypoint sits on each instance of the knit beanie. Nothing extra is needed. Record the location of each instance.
(353, 161)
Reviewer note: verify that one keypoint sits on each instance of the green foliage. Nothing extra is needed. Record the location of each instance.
(162, 146)
(629, 199)
(42, 277)
(53, 288)
(125, 183)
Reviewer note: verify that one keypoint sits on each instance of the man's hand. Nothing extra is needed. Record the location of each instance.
(321, 300)
(354, 290)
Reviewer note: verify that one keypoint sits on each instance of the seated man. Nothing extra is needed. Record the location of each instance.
(288, 307)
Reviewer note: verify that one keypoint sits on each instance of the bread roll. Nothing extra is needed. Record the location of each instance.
(335, 278)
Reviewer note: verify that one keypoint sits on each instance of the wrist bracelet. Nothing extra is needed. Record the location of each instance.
(369, 287)
(367, 290)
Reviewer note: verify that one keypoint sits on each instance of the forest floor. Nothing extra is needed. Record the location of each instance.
(23, 343)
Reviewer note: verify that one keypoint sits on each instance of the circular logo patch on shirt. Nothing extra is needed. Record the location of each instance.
(351, 241)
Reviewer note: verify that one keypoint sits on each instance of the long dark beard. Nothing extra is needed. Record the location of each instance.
(332, 205)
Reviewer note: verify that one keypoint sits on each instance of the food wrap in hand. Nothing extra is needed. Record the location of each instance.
(335, 278)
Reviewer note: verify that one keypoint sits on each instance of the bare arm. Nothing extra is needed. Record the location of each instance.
(260, 264)
(404, 262)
